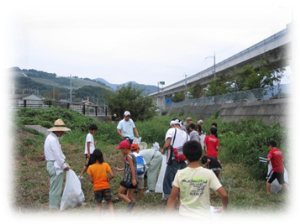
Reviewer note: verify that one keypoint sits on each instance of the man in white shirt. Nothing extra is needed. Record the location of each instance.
(55, 162)
(175, 137)
(126, 127)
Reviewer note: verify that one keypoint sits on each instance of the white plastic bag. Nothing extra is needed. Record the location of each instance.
(137, 140)
(161, 176)
(202, 137)
(275, 186)
(214, 215)
(72, 195)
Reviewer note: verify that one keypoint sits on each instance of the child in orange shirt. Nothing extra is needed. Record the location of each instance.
(98, 176)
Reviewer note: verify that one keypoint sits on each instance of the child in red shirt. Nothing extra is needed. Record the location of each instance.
(277, 172)
(211, 144)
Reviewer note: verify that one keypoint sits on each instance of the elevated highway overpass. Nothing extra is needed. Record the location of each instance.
(279, 42)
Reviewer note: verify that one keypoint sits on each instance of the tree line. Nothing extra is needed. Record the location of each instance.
(260, 74)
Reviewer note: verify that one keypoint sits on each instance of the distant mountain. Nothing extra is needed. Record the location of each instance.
(44, 81)
(113, 86)
(148, 88)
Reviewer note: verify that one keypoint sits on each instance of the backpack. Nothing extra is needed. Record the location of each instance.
(140, 165)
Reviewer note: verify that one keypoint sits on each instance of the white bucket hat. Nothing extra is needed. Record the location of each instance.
(59, 125)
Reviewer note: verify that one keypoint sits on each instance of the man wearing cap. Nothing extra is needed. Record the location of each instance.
(175, 137)
(55, 162)
(199, 124)
(126, 127)
(188, 121)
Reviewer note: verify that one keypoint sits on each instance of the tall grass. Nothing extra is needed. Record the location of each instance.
(245, 140)
(241, 143)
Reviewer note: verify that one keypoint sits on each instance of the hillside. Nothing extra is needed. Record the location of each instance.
(42, 80)
(52, 79)
(149, 88)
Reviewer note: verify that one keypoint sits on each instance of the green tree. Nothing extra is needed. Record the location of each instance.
(259, 74)
(196, 91)
(178, 97)
(130, 98)
(220, 85)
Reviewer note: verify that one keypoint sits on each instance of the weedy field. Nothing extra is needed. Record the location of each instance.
(244, 181)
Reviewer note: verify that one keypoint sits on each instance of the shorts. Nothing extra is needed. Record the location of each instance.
(216, 170)
(128, 184)
(99, 195)
(140, 185)
(274, 175)
(88, 161)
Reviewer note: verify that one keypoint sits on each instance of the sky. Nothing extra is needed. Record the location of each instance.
(142, 41)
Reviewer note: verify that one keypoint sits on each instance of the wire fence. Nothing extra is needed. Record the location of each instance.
(272, 92)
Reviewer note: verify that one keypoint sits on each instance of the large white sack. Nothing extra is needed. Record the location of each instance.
(275, 186)
(72, 194)
(160, 180)
(214, 215)
(202, 137)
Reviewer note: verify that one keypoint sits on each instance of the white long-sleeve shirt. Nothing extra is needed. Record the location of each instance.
(53, 152)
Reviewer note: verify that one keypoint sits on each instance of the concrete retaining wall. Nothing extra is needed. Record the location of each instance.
(270, 111)
(39, 128)
(199, 111)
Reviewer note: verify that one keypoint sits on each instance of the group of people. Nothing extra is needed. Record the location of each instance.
(183, 177)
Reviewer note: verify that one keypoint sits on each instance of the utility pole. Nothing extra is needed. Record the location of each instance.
(185, 86)
(214, 57)
(70, 89)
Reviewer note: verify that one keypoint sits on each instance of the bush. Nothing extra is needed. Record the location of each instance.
(246, 140)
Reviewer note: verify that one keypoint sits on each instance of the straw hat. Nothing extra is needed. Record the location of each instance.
(59, 125)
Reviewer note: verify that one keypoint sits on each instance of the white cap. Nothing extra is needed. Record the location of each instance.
(127, 113)
(176, 121)
(200, 121)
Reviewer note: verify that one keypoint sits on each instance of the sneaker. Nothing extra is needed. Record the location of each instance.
(80, 177)
(149, 191)
(130, 206)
